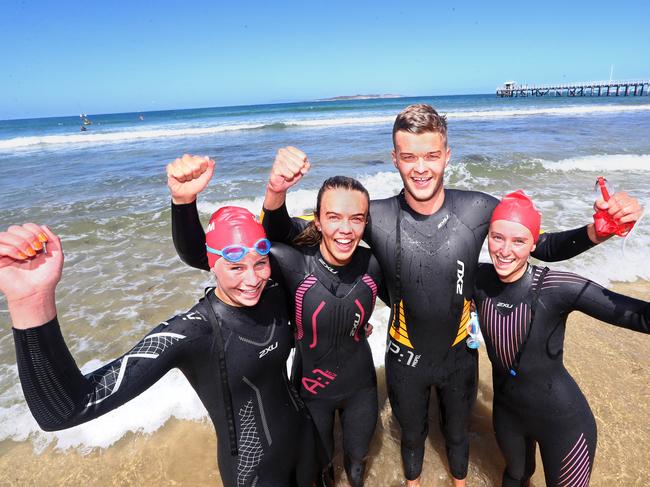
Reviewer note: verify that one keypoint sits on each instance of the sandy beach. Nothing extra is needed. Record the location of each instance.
(610, 365)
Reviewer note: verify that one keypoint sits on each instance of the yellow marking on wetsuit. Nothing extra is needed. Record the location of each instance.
(399, 332)
(462, 327)
(304, 217)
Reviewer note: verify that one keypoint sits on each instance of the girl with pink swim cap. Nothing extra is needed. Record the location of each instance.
(523, 310)
(232, 346)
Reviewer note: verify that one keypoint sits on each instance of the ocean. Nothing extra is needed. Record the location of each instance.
(103, 191)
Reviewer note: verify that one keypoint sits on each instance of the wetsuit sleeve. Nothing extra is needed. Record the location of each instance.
(280, 227)
(600, 303)
(188, 235)
(287, 265)
(556, 246)
(375, 271)
(60, 396)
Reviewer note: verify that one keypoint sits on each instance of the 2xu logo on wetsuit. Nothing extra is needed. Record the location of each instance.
(268, 349)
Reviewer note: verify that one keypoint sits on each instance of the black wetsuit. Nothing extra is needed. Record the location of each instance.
(234, 358)
(429, 264)
(535, 398)
(332, 307)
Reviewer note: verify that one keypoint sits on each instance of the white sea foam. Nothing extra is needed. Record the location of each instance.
(568, 111)
(601, 163)
(172, 396)
(125, 136)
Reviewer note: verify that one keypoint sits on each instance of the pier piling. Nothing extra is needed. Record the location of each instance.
(591, 88)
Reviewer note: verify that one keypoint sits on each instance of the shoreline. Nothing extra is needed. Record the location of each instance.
(610, 364)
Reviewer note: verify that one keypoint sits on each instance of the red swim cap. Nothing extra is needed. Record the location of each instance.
(232, 225)
(519, 208)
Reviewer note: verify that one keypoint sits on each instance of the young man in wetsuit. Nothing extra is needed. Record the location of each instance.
(427, 240)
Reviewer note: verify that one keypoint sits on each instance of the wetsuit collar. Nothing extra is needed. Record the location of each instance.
(401, 198)
(331, 268)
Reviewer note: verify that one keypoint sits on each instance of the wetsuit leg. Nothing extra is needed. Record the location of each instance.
(409, 394)
(358, 421)
(456, 397)
(307, 455)
(322, 412)
(568, 447)
(517, 447)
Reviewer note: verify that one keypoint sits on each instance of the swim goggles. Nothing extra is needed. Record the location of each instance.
(235, 253)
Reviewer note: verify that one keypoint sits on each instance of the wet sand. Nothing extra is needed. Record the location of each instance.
(611, 365)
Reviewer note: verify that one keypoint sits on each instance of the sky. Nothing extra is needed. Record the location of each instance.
(65, 58)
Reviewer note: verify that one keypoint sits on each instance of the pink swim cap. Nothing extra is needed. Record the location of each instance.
(232, 225)
(519, 208)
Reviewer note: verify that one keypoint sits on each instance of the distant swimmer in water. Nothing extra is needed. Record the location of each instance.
(332, 283)
(523, 311)
(232, 347)
(141, 117)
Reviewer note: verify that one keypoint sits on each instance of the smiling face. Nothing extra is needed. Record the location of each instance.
(341, 221)
(510, 245)
(241, 283)
(421, 160)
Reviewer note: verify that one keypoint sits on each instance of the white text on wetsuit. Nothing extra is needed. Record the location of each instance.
(460, 273)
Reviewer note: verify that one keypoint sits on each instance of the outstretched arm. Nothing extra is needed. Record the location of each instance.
(600, 303)
(187, 176)
(556, 246)
(58, 395)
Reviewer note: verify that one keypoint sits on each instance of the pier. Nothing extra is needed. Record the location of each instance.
(589, 88)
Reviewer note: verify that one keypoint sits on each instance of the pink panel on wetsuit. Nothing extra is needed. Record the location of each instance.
(373, 287)
(505, 332)
(300, 294)
(313, 324)
(575, 469)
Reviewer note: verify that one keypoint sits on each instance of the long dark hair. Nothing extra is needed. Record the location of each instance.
(310, 236)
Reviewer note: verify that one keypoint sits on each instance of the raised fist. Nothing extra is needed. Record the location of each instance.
(187, 176)
(290, 165)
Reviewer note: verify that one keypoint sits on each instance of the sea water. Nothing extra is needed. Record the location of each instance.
(103, 191)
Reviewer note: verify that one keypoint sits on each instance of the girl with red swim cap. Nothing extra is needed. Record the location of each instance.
(523, 310)
(232, 346)
(332, 285)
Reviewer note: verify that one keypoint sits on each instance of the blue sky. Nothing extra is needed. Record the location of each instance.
(63, 58)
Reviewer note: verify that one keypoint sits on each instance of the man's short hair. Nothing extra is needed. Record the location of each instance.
(419, 119)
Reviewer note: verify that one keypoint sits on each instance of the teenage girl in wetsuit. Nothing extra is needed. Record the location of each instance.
(523, 311)
(232, 346)
(333, 286)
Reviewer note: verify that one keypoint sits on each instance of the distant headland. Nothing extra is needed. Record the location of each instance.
(359, 97)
